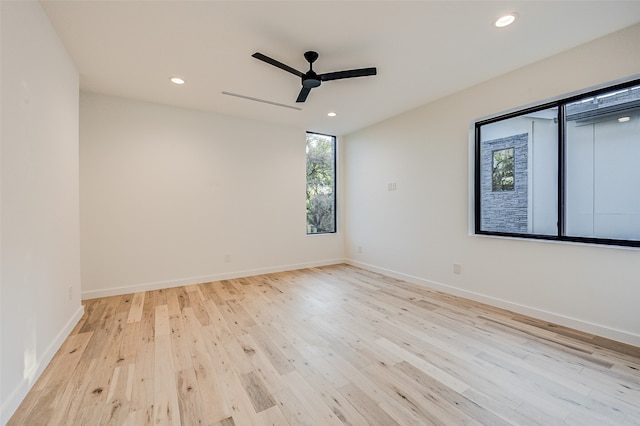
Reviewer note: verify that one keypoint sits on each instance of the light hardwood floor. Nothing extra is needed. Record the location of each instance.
(323, 346)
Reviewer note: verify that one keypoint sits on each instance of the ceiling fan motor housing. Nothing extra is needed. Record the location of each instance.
(310, 80)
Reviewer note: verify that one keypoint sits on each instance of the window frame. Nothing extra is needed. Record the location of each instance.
(334, 189)
(559, 103)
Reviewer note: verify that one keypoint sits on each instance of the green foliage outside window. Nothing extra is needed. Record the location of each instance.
(320, 183)
(503, 176)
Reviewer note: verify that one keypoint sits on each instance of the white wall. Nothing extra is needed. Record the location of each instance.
(420, 230)
(40, 209)
(166, 193)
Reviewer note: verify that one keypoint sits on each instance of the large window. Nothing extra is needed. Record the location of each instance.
(321, 183)
(568, 170)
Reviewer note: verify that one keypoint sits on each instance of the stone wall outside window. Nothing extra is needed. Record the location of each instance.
(505, 211)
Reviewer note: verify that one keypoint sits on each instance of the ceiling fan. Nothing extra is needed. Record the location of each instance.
(310, 79)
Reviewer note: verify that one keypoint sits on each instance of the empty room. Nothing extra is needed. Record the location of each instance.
(320, 212)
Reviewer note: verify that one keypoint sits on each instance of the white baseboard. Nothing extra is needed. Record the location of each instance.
(575, 323)
(135, 288)
(11, 403)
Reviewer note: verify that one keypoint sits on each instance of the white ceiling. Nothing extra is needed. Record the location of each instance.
(423, 50)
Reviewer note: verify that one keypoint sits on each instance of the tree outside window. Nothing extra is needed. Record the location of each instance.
(321, 201)
(503, 179)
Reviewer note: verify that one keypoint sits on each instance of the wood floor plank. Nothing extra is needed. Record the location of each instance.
(66, 359)
(140, 418)
(449, 396)
(106, 356)
(273, 417)
(366, 406)
(124, 304)
(117, 407)
(273, 353)
(196, 342)
(310, 400)
(198, 307)
(410, 396)
(180, 342)
(241, 407)
(215, 404)
(334, 400)
(144, 374)
(137, 307)
(190, 401)
(261, 363)
(327, 345)
(162, 326)
(94, 312)
(165, 396)
(292, 409)
(424, 366)
(258, 393)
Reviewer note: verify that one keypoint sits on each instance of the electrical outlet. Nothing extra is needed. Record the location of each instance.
(359, 249)
(457, 268)
(70, 292)
(227, 258)
(391, 186)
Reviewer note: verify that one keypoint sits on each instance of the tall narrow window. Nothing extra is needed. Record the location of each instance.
(321, 183)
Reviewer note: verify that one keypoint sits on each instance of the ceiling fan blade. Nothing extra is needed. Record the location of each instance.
(362, 72)
(303, 94)
(278, 64)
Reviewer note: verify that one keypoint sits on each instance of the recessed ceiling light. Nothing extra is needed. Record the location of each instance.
(624, 119)
(505, 20)
(176, 80)
(332, 114)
